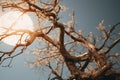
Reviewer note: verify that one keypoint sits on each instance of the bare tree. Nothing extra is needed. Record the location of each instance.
(83, 57)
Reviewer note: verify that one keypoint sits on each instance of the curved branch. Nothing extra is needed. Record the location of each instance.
(102, 71)
(15, 5)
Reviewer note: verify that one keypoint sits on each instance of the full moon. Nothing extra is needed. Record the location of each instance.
(15, 20)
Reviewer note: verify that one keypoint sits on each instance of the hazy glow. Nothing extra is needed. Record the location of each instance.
(15, 20)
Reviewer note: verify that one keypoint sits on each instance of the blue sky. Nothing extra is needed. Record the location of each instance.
(88, 14)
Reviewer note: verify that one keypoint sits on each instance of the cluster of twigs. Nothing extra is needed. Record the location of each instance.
(91, 64)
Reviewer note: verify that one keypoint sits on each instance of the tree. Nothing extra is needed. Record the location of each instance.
(95, 62)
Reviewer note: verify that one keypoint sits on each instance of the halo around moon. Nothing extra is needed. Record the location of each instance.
(15, 20)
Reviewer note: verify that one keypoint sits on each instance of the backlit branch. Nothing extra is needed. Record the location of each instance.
(76, 51)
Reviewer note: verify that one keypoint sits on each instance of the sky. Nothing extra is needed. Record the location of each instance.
(88, 14)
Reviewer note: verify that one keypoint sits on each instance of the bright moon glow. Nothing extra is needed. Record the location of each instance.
(15, 20)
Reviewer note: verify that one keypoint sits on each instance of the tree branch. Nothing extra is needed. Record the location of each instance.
(102, 71)
(112, 45)
(55, 73)
(108, 35)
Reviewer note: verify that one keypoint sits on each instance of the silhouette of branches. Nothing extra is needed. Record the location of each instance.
(64, 51)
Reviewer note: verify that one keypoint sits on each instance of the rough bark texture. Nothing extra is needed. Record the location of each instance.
(93, 64)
